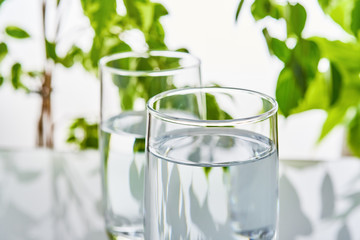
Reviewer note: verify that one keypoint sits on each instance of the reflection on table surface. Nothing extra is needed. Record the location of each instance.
(320, 200)
(47, 195)
(55, 196)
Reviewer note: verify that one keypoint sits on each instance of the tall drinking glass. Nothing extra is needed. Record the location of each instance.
(212, 165)
(128, 80)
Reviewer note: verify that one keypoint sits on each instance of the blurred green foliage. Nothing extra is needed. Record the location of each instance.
(107, 24)
(16, 71)
(16, 32)
(301, 86)
(83, 134)
(142, 87)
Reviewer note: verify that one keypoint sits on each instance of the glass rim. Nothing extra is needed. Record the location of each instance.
(195, 63)
(212, 123)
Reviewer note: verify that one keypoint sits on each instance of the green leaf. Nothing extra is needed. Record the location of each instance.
(307, 53)
(207, 170)
(213, 110)
(127, 98)
(296, 19)
(159, 11)
(51, 51)
(3, 50)
(349, 97)
(299, 74)
(16, 32)
(1, 2)
(304, 63)
(187, 103)
(259, 9)
(15, 75)
(348, 58)
(139, 145)
(184, 50)
(71, 139)
(111, 236)
(316, 96)
(324, 3)
(100, 13)
(340, 11)
(103, 46)
(116, 46)
(132, 10)
(277, 47)
(280, 49)
(103, 17)
(122, 82)
(74, 54)
(355, 19)
(156, 36)
(96, 52)
(288, 93)
(34, 74)
(336, 84)
(105, 147)
(146, 15)
(335, 117)
(238, 9)
(1, 80)
(140, 14)
(264, 8)
(88, 139)
(353, 134)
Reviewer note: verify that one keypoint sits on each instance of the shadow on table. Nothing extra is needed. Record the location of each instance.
(294, 222)
(49, 199)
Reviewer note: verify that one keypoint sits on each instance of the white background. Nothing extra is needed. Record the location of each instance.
(232, 54)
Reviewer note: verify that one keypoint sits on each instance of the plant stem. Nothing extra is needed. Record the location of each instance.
(45, 133)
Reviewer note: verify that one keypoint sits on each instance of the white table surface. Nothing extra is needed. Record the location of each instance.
(47, 195)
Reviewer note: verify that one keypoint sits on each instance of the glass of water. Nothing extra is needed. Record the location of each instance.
(212, 165)
(128, 80)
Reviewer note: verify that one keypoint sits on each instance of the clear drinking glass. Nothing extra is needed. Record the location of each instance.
(212, 165)
(128, 80)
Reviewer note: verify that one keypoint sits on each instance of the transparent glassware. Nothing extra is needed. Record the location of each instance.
(212, 165)
(128, 80)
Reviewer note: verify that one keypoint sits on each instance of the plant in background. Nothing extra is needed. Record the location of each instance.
(108, 26)
(301, 86)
